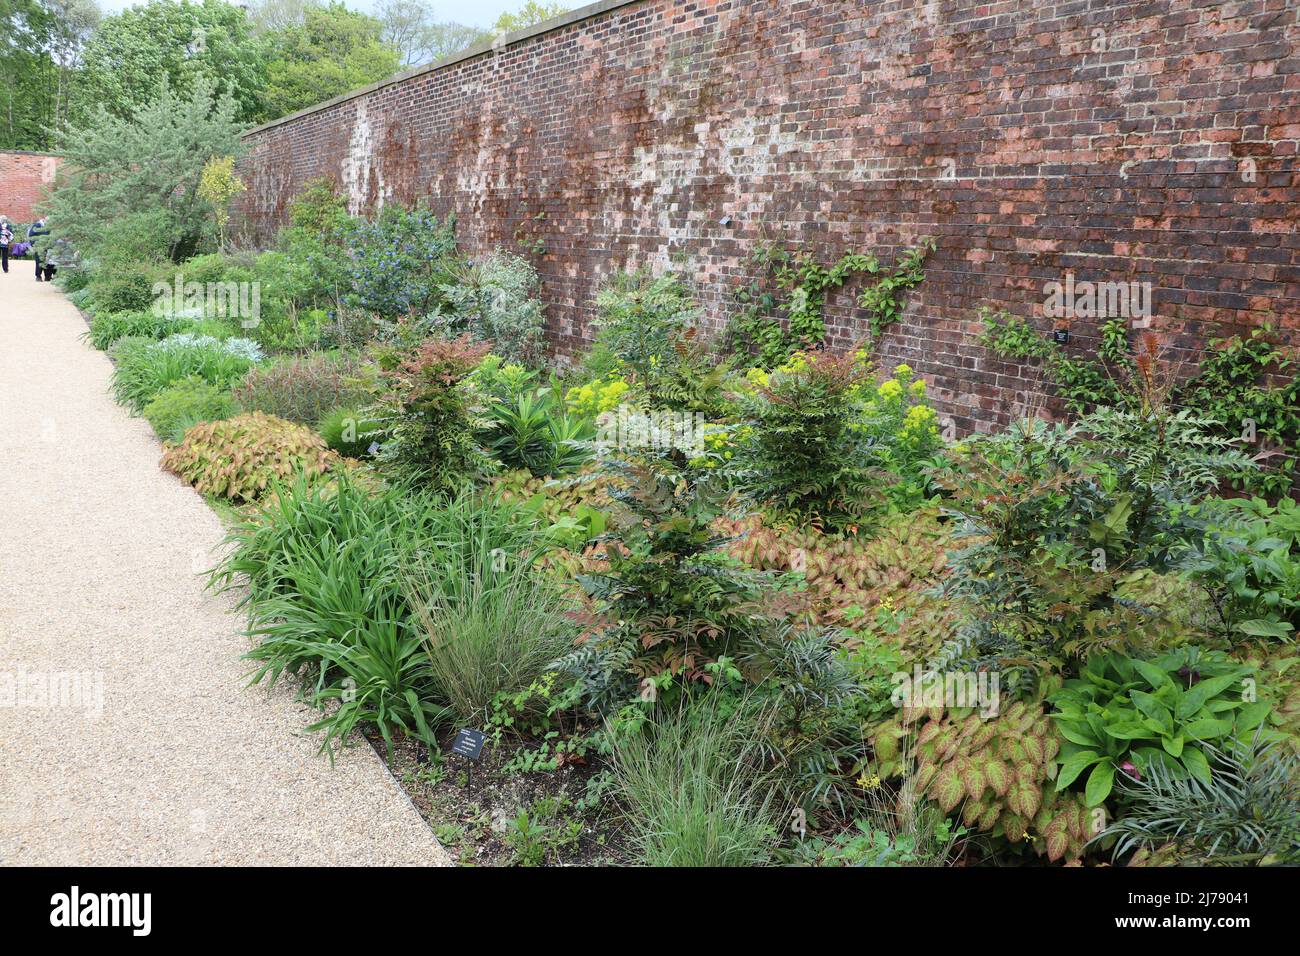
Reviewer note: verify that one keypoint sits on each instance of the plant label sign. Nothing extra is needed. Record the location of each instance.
(469, 743)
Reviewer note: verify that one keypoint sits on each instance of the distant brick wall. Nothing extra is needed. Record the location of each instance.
(1121, 141)
(23, 179)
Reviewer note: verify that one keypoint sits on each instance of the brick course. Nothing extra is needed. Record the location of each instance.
(1118, 140)
(24, 177)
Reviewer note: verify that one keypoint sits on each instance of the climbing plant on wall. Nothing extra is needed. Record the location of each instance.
(781, 307)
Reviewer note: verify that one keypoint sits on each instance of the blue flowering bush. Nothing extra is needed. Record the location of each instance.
(401, 263)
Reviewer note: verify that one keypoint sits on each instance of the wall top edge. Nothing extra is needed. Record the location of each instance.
(494, 45)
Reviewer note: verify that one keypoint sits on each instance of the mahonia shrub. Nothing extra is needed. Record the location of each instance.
(184, 404)
(640, 317)
(125, 287)
(429, 414)
(241, 457)
(300, 389)
(805, 453)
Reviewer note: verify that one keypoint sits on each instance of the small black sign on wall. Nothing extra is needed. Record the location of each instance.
(1061, 336)
(469, 743)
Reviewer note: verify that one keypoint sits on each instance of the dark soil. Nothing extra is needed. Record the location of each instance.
(486, 813)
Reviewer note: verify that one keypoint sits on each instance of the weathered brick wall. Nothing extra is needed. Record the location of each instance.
(24, 177)
(1121, 141)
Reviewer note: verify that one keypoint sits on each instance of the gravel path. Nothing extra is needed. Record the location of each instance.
(98, 553)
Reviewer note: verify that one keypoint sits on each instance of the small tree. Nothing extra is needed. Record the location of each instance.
(218, 185)
(143, 172)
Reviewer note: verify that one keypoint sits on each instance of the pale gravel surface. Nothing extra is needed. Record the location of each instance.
(97, 555)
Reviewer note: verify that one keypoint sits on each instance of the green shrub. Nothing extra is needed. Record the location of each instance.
(490, 624)
(805, 452)
(641, 317)
(1249, 564)
(496, 300)
(144, 368)
(402, 261)
(186, 403)
(670, 599)
(107, 328)
(124, 287)
(349, 433)
(429, 416)
(693, 794)
(240, 458)
(302, 390)
(1128, 716)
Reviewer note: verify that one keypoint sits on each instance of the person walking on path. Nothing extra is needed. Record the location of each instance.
(6, 237)
(37, 229)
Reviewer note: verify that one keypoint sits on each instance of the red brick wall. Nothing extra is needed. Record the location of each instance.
(1122, 141)
(23, 180)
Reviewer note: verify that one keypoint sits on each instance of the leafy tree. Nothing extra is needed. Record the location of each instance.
(529, 15)
(40, 43)
(411, 27)
(275, 15)
(333, 51)
(130, 186)
(183, 43)
(444, 39)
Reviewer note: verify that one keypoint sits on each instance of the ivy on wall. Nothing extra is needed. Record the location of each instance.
(781, 309)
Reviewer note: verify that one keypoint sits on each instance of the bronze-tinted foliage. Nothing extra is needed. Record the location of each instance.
(898, 566)
(240, 457)
(993, 772)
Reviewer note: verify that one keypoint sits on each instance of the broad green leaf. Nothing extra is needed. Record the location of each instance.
(1100, 782)
(1074, 765)
(1128, 731)
(1265, 628)
(1153, 709)
(1208, 728)
(1196, 763)
(1196, 697)
(1152, 674)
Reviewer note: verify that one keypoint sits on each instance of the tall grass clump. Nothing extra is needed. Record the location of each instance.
(694, 795)
(327, 568)
(491, 625)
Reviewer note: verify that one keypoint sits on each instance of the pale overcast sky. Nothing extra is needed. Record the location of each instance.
(475, 13)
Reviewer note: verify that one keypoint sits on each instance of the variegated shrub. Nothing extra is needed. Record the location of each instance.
(241, 457)
(994, 773)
